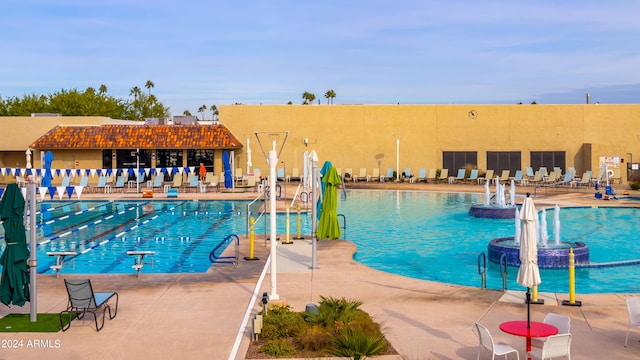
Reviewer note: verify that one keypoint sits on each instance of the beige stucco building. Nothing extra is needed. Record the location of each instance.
(395, 136)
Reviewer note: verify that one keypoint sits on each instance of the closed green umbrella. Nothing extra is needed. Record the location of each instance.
(14, 284)
(329, 226)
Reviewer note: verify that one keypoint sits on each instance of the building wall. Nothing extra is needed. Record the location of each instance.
(355, 136)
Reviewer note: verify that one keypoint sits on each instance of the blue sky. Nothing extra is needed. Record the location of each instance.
(367, 51)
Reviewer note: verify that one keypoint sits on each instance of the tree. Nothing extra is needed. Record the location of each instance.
(149, 85)
(330, 95)
(214, 112)
(308, 98)
(102, 89)
(135, 91)
(186, 113)
(202, 109)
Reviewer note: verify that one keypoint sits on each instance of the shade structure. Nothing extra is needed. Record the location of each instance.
(46, 177)
(329, 226)
(228, 176)
(528, 273)
(325, 169)
(14, 284)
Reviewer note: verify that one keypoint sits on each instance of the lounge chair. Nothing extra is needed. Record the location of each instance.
(157, 181)
(520, 179)
(617, 176)
(295, 174)
(567, 180)
(473, 177)
(444, 175)
(460, 176)
(102, 184)
(375, 176)
(504, 176)
(177, 181)
(586, 179)
(194, 181)
(213, 181)
(389, 175)
(406, 175)
(280, 174)
(537, 178)
(83, 300)
(238, 175)
(361, 176)
(422, 175)
(431, 175)
(66, 181)
(348, 175)
(120, 183)
(488, 176)
(530, 173)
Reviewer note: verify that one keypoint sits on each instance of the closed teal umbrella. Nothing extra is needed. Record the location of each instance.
(329, 226)
(14, 285)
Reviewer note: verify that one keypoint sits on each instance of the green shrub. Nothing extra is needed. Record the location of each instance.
(277, 348)
(334, 313)
(281, 322)
(357, 344)
(634, 185)
(314, 338)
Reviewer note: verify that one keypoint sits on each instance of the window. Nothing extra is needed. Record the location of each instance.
(107, 162)
(197, 156)
(454, 160)
(548, 159)
(504, 160)
(168, 158)
(126, 158)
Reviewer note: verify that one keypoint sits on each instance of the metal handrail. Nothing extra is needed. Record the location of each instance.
(503, 270)
(216, 259)
(482, 269)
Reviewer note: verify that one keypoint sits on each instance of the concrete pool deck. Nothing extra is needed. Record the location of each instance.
(198, 316)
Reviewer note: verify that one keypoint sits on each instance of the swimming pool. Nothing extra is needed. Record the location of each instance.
(423, 235)
(182, 233)
(430, 236)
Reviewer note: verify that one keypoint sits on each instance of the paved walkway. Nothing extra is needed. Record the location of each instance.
(198, 316)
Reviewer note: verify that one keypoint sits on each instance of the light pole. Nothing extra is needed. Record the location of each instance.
(273, 161)
(398, 159)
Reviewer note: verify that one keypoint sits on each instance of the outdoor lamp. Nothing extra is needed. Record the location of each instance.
(265, 301)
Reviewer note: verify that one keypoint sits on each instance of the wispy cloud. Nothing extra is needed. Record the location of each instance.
(376, 51)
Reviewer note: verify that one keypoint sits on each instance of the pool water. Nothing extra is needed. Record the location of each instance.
(423, 235)
(430, 236)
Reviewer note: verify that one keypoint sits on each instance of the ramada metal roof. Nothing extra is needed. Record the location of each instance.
(138, 136)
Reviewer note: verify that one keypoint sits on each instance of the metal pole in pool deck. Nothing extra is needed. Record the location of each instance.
(314, 196)
(273, 162)
(33, 259)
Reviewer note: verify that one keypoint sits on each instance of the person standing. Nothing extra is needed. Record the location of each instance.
(203, 172)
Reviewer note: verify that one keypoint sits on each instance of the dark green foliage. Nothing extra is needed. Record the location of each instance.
(277, 348)
(22, 322)
(281, 322)
(85, 103)
(357, 345)
(339, 327)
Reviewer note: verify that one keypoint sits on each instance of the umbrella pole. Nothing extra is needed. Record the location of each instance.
(33, 263)
(528, 309)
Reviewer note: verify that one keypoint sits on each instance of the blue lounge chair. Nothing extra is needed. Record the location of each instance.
(473, 177)
(83, 300)
(389, 175)
(460, 177)
(422, 175)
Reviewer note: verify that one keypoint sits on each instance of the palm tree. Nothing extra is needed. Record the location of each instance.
(186, 113)
(214, 111)
(202, 109)
(103, 89)
(330, 95)
(135, 91)
(308, 98)
(149, 85)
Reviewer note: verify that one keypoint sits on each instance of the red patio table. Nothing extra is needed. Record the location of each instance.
(537, 330)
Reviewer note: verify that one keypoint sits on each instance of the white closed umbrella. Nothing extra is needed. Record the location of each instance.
(249, 162)
(528, 273)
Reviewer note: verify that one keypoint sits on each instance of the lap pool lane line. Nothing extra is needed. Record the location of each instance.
(46, 268)
(124, 256)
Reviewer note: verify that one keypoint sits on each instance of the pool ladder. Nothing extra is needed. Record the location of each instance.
(482, 269)
(217, 259)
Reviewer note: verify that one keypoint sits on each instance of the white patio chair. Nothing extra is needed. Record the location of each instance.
(556, 346)
(633, 310)
(562, 322)
(486, 342)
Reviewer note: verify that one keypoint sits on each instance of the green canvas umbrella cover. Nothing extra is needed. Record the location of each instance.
(329, 226)
(14, 284)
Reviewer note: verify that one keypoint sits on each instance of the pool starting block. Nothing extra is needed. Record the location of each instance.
(138, 261)
(172, 193)
(60, 257)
